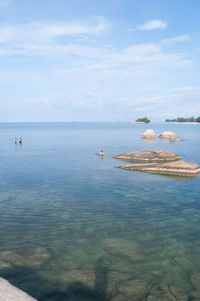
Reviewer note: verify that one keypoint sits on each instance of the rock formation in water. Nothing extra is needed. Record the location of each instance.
(149, 134)
(180, 168)
(9, 292)
(24, 258)
(170, 136)
(149, 157)
(115, 246)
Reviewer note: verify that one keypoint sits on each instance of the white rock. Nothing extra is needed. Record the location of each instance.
(168, 135)
(149, 134)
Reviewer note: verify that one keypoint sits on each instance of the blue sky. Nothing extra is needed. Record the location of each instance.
(91, 60)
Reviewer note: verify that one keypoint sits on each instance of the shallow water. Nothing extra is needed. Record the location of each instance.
(74, 227)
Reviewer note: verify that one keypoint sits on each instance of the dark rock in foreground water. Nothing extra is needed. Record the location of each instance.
(149, 157)
(180, 168)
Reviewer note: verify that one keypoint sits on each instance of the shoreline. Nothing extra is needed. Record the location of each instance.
(176, 122)
(139, 122)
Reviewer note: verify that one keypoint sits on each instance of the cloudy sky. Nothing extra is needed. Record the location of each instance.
(91, 60)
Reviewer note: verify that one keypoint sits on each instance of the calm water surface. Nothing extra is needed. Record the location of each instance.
(74, 227)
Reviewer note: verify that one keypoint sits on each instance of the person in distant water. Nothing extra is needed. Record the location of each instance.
(20, 140)
(15, 140)
(101, 153)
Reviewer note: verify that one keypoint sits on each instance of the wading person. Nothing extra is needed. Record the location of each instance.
(101, 153)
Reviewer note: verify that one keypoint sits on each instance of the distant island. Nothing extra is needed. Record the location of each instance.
(140, 120)
(181, 119)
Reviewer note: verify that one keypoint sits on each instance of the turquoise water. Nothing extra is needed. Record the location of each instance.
(74, 227)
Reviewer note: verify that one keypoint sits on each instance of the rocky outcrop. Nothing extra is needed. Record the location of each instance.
(180, 168)
(170, 136)
(149, 157)
(10, 293)
(149, 134)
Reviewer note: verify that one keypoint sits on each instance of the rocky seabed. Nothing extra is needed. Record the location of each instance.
(120, 270)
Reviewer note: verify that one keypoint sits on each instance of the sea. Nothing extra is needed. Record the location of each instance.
(73, 226)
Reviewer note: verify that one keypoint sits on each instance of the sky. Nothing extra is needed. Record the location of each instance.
(91, 60)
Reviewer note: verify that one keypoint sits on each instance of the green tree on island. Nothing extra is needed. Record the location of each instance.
(145, 120)
(181, 119)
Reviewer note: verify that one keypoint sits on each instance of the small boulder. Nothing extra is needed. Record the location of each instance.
(149, 134)
(169, 136)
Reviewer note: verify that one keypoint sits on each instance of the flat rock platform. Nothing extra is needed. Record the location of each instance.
(179, 168)
(149, 157)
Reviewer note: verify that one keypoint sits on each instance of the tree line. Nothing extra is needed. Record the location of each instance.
(145, 119)
(181, 119)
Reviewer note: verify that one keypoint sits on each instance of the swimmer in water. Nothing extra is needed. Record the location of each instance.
(15, 140)
(20, 140)
(101, 153)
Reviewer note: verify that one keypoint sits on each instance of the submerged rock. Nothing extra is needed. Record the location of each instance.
(9, 292)
(84, 277)
(195, 280)
(180, 168)
(5, 265)
(25, 258)
(149, 156)
(113, 279)
(119, 298)
(83, 280)
(185, 263)
(162, 292)
(149, 134)
(170, 136)
(124, 248)
(134, 289)
(121, 263)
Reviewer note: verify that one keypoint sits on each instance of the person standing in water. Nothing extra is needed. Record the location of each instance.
(15, 140)
(101, 153)
(20, 140)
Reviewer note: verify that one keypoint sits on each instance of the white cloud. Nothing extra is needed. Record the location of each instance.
(111, 103)
(153, 24)
(96, 76)
(38, 32)
(183, 38)
(75, 28)
(42, 39)
(186, 89)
